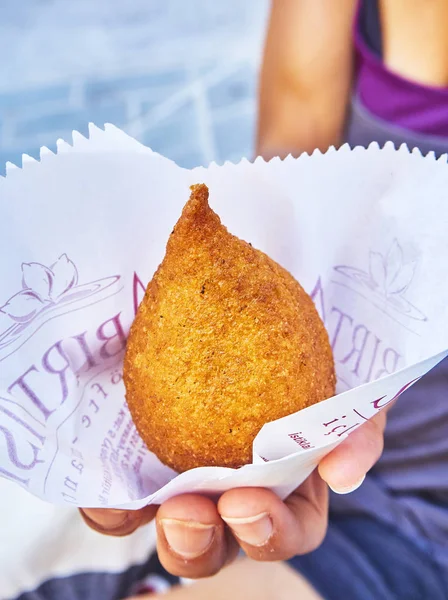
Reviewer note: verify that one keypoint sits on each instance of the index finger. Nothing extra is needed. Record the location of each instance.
(115, 522)
(269, 529)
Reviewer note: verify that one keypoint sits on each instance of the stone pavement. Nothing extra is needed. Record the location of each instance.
(179, 75)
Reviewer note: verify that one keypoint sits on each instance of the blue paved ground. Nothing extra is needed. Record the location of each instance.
(180, 75)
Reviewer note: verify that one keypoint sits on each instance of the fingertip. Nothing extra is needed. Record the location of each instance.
(348, 489)
(344, 469)
(251, 514)
(342, 475)
(247, 502)
(269, 529)
(190, 507)
(107, 521)
(116, 522)
(191, 538)
(106, 518)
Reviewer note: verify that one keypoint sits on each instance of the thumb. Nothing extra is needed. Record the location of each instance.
(345, 468)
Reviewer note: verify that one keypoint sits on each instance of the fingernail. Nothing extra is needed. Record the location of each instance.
(347, 490)
(254, 531)
(188, 539)
(105, 520)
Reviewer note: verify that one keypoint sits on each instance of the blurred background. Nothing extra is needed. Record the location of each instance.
(178, 75)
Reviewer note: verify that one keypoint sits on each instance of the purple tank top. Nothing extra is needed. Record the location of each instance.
(408, 488)
(390, 97)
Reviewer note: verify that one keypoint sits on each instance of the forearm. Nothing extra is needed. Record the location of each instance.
(295, 127)
(306, 76)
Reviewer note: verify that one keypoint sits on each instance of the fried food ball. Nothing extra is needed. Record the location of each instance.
(224, 341)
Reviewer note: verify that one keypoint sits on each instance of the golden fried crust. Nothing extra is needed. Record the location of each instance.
(225, 340)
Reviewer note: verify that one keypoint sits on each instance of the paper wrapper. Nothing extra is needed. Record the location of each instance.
(82, 233)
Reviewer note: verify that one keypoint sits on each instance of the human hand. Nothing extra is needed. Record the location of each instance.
(196, 537)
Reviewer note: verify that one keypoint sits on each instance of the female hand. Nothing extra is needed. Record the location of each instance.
(196, 537)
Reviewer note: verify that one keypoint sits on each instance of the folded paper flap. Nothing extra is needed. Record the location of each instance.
(83, 232)
(320, 425)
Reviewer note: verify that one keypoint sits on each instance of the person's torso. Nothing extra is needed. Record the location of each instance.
(409, 485)
(387, 106)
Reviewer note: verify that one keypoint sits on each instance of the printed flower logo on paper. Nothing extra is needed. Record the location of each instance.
(388, 274)
(41, 286)
(387, 279)
(46, 292)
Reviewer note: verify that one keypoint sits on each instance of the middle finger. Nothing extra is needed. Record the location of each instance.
(192, 540)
